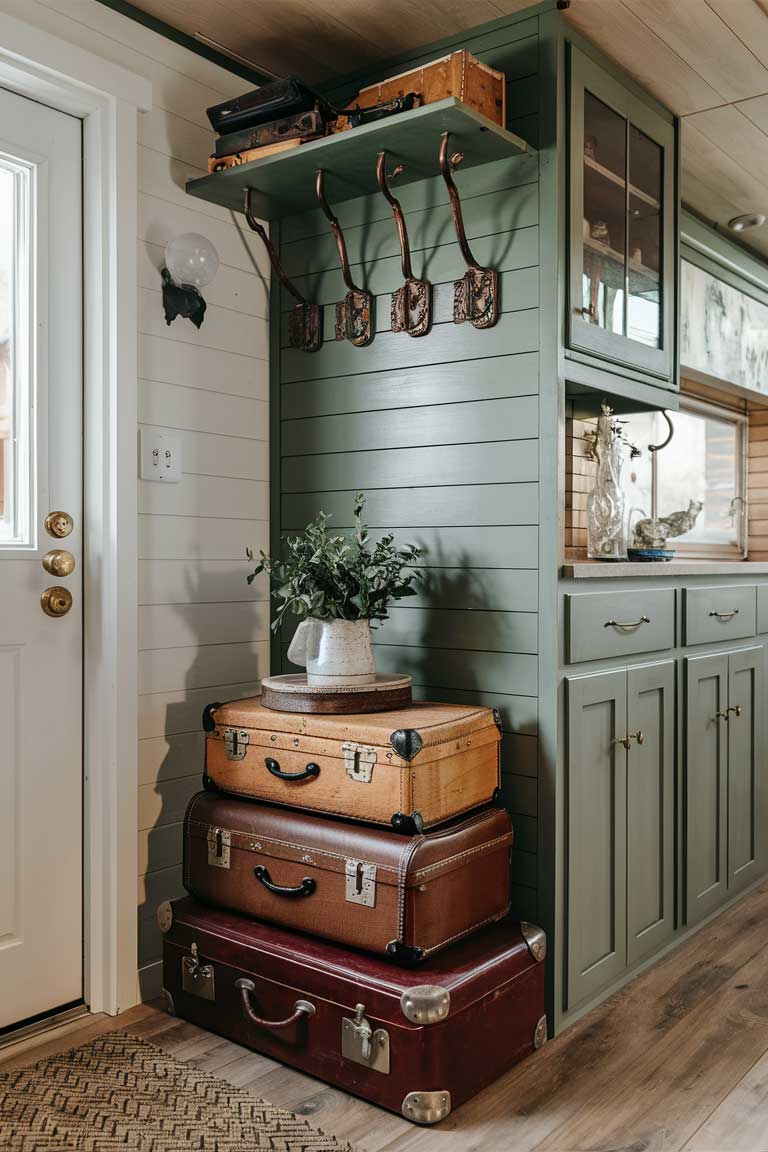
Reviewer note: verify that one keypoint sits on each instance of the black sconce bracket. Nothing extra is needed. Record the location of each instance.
(181, 300)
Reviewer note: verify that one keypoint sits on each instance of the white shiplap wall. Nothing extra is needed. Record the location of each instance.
(203, 632)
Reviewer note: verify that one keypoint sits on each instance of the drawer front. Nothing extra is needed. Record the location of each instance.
(762, 607)
(604, 624)
(727, 612)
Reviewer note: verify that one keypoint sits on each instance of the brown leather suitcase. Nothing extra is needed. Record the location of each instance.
(459, 74)
(420, 1046)
(370, 888)
(411, 768)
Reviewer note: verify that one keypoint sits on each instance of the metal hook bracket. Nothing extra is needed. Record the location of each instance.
(305, 323)
(476, 294)
(670, 425)
(411, 304)
(354, 314)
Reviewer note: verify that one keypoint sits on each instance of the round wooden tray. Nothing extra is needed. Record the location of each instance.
(293, 694)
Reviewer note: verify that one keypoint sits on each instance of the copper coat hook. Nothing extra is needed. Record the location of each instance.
(354, 314)
(411, 304)
(476, 295)
(305, 329)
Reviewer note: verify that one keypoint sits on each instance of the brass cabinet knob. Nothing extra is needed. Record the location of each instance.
(59, 562)
(59, 524)
(56, 601)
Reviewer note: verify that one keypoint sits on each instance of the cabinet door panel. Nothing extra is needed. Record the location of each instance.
(597, 803)
(705, 784)
(745, 787)
(650, 808)
(622, 221)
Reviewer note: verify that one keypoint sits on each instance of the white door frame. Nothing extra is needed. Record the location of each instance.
(107, 98)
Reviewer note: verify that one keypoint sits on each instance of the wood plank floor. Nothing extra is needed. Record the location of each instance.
(678, 1059)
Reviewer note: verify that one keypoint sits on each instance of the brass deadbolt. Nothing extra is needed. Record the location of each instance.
(59, 562)
(59, 524)
(56, 601)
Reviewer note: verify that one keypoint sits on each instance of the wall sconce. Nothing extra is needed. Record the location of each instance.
(191, 262)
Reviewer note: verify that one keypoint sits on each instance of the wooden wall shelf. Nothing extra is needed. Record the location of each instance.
(284, 184)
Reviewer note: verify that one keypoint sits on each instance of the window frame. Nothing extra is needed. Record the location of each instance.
(694, 551)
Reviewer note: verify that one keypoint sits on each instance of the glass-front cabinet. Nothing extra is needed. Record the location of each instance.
(622, 221)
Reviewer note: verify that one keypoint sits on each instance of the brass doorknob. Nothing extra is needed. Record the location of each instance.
(56, 601)
(59, 562)
(59, 524)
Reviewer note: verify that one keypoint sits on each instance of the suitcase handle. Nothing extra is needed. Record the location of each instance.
(306, 888)
(301, 1008)
(307, 773)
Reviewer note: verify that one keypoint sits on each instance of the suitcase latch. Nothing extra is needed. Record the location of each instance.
(360, 883)
(197, 978)
(236, 743)
(219, 842)
(364, 1044)
(358, 761)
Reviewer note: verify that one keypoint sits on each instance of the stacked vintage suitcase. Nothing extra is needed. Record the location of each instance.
(287, 114)
(349, 891)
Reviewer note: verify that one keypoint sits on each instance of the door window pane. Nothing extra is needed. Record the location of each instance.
(644, 227)
(15, 336)
(604, 224)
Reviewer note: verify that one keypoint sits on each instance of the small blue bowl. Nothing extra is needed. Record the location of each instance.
(650, 555)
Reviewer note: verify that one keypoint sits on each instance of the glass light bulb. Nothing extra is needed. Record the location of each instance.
(191, 259)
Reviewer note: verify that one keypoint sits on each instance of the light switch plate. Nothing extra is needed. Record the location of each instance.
(159, 455)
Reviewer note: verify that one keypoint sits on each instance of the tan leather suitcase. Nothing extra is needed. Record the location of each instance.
(460, 74)
(410, 769)
(405, 896)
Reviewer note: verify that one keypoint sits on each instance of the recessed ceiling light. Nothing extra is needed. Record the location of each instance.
(749, 220)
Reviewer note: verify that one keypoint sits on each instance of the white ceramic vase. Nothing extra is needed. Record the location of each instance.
(334, 652)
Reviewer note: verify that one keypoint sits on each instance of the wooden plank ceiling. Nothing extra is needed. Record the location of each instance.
(706, 60)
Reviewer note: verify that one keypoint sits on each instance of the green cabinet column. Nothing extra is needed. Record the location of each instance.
(650, 808)
(746, 765)
(597, 845)
(705, 784)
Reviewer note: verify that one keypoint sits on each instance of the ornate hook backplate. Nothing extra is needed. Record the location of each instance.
(411, 304)
(354, 314)
(305, 324)
(476, 295)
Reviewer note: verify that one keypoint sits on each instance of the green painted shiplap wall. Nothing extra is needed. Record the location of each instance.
(441, 432)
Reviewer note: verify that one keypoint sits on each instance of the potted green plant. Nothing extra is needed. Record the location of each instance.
(338, 586)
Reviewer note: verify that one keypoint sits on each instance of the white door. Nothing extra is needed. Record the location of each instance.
(41, 778)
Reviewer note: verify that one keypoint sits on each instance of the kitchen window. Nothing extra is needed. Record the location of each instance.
(705, 461)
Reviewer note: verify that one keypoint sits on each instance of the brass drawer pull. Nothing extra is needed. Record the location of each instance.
(726, 615)
(630, 736)
(627, 624)
(735, 708)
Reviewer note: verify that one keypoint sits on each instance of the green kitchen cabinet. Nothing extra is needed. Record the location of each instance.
(622, 221)
(723, 790)
(620, 822)
(746, 765)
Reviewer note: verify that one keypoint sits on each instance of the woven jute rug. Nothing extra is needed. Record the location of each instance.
(121, 1093)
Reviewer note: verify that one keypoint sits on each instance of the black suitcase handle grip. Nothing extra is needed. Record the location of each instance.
(301, 1009)
(306, 888)
(307, 773)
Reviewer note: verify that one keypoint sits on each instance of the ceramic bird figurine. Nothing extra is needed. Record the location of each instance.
(654, 532)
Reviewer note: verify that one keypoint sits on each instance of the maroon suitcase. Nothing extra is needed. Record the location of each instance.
(416, 1043)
